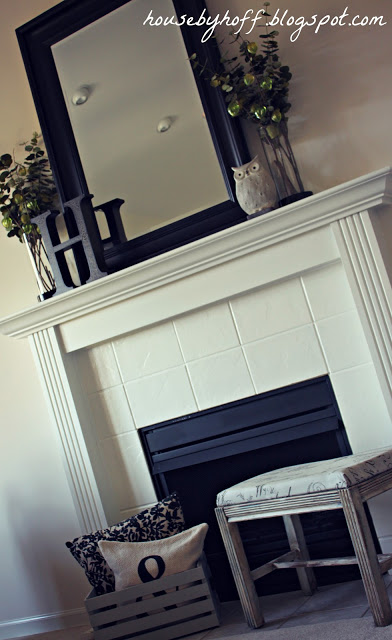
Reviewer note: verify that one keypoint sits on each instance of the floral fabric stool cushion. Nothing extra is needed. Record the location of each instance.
(309, 478)
(345, 483)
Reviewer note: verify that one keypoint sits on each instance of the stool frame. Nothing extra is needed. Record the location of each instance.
(351, 500)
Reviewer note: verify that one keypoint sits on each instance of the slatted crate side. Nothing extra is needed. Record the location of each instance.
(132, 608)
(114, 615)
(96, 603)
(175, 621)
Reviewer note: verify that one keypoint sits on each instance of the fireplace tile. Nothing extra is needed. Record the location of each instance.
(148, 351)
(161, 396)
(110, 412)
(385, 541)
(125, 464)
(328, 291)
(362, 406)
(343, 341)
(285, 358)
(220, 378)
(270, 310)
(98, 368)
(380, 506)
(206, 332)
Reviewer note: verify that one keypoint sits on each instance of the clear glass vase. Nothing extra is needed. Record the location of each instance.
(282, 166)
(40, 264)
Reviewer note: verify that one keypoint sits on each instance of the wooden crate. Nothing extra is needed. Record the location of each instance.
(162, 609)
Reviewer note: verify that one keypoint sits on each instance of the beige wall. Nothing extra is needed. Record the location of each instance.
(37, 514)
(341, 91)
(341, 95)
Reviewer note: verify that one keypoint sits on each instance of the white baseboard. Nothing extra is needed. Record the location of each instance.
(42, 624)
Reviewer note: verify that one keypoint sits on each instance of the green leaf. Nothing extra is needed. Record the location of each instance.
(6, 160)
(273, 131)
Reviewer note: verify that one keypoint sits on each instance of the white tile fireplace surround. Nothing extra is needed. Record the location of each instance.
(297, 293)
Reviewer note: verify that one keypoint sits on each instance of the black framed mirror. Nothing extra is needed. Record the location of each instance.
(39, 41)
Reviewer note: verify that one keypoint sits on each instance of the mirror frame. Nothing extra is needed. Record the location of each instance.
(35, 40)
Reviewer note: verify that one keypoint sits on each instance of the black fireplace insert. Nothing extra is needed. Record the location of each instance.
(200, 454)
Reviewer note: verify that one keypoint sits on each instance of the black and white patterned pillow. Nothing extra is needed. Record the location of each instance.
(159, 521)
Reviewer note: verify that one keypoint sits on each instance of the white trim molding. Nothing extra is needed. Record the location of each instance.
(43, 624)
(371, 287)
(50, 365)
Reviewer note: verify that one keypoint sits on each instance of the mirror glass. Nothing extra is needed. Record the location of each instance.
(138, 80)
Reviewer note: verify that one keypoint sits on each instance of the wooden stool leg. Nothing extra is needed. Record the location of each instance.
(366, 555)
(240, 569)
(297, 542)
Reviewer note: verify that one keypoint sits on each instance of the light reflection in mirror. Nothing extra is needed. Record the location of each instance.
(136, 77)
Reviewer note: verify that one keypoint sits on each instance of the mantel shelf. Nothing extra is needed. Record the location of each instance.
(366, 192)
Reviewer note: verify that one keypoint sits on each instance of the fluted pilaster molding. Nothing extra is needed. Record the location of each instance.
(362, 258)
(50, 366)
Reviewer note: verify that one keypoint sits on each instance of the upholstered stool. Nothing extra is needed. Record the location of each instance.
(342, 483)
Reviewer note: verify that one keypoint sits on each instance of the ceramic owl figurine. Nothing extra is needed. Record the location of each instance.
(255, 188)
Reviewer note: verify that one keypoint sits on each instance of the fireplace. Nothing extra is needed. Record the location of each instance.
(201, 454)
(298, 293)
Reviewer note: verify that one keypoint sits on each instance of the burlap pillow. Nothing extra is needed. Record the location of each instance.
(137, 562)
(159, 521)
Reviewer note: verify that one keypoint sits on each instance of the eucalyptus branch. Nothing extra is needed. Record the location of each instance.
(26, 189)
(256, 89)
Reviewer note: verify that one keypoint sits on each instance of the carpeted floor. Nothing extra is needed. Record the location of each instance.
(334, 612)
(355, 629)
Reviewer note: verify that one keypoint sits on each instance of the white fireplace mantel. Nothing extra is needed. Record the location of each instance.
(369, 192)
(350, 224)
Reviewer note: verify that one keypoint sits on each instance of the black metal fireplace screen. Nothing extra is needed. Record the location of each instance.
(203, 453)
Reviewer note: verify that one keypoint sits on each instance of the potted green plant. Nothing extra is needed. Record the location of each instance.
(256, 87)
(27, 189)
